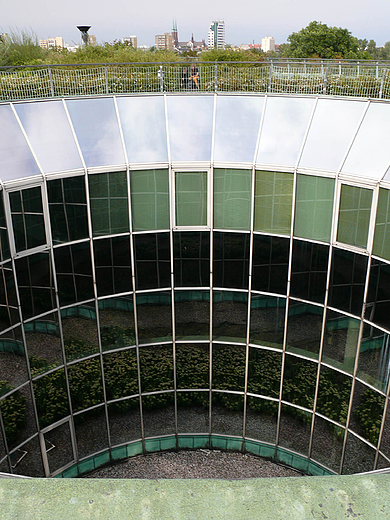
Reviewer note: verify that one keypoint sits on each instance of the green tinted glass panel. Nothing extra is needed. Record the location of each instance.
(149, 199)
(273, 202)
(354, 215)
(27, 218)
(191, 198)
(382, 226)
(232, 198)
(314, 207)
(109, 203)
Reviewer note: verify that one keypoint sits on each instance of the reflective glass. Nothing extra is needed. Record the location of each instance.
(27, 218)
(332, 128)
(381, 245)
(43, 343)
(152, 261)
(191, 198)
(231, 260)
(232, 198)
(334, 390)
(62, 452)
(285, 121)
(51, 397)
(158, 414)
(79, 328)
(4, 243)
(154, 316)
(264, 374)
(149, 199)
(48, 130)
(385, 441)
(13, 364)
(327, 444)
(358, 457)
(368, 155)
(191, 251)
(270, 263)
(19, 163)
(144, 129)
(85, 383)
(273, 202)
(190, 122)
(354, 215)
(22, 426)
(304, 328)
(367, 412)
(121, 376)
(116, 319)
(97, 131)
(299, 381)
(309, 271)
(30, 465)
(192, 315)
(192, 366)
(230, 312)
(294, 429)
(374, 357)
(340, 341)
(9, 314)
(156, 369)
(267, 320)
(237, 127)
(228, 366)
(91, 432)
(124, 421)
(193, 412)
(227, 414)
(261, 419)
(112, 265)
(314, 207)
(378, 296)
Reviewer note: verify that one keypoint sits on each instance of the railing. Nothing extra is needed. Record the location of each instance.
(329, 78)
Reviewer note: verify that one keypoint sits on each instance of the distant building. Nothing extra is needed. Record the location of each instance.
(216, 35)
(92, 39)
(130, 39)
(52, 43)
(268, 44)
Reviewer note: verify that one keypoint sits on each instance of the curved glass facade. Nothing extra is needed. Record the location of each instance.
(204, 265)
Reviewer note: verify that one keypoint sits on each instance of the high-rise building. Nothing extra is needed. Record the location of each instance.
(268, 44)
(216, 35)
(52, 43)
(130, 39)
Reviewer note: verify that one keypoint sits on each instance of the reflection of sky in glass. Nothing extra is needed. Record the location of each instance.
(190, 122)
(144, 130)
(16, 159)
(331, 131)
(97, 131)
(369, 154)
(284, 127)
(50, 135)
(237, 127)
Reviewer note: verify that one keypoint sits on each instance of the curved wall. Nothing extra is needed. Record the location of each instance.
(204, 265)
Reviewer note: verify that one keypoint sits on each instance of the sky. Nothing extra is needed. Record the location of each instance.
(246, 21)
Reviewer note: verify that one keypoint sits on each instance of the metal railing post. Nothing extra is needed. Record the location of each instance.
(382, 83)
(324, 88)
(270, 78)
(161, 76)
(51, 81)
(106, 77)
(215, 77)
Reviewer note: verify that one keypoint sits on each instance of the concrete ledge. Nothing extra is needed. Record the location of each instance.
(358, 496)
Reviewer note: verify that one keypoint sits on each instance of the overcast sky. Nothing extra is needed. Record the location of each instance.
(246, 21)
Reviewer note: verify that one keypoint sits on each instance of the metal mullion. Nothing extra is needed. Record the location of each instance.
(211, 282)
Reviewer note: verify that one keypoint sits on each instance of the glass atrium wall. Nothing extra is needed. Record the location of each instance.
(186, 265)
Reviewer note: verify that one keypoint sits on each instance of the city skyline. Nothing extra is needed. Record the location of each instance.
(250, 23)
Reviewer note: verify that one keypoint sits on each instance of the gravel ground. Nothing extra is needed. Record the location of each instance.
(195, 464)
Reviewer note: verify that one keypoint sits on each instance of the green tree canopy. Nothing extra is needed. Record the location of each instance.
(319, 40)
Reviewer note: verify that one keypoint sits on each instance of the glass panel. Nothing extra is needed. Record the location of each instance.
(85, 384)
(158, 414)
(231, 260)
(43, 344)
(314, 207)
(191, 198)
(156, 369)
(59, 447)
(381, 245)
(232, 198)
(261, 419)
(193, 412)
(27, 459)
(264, 375)
(48, 130)
(367, 412)
(334, 391)
(190, 122)
(270, 263)
(192, 366)
(27, 218)
(354, 215)
(109, 204)
(327, 443)
(299, 381)
(4, 243)
(267, 320)
(19, 163)
(152, 260)
(19, 425)
(304, 328)
(97, 131)
(237, 127)
(9, 314)
(154, 316)
(79, 329)
(228, 368)
(121, 376)
(378, 297)
(144, 128)
(192, 315)
(227, 415)
(124, 421)
(91, 432)
(369, 153)
(68, 209)
(347, 280)
(309, 271)
(273, 202)
(51, 398)
(285, 121)
(230, 312)
(325, 135)
(294, 429)
(359, 457)
(340, 341)
(385, 441)
(112, 265)
(191, 250)
(374, 357)
(13, 365)
(149, 199)
(116, 316)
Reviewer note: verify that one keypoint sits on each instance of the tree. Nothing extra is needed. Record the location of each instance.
(317, 40)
